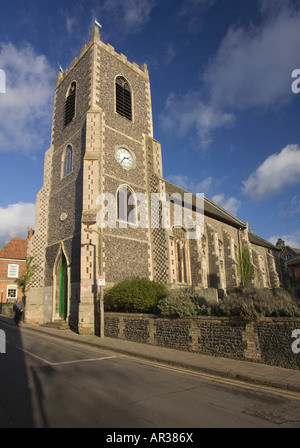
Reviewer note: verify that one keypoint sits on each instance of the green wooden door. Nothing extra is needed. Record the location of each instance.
(63, 289)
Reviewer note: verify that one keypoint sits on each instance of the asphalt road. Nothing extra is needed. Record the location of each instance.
(45, 383)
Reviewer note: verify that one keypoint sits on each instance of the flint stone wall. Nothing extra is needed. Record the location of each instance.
(268, 341)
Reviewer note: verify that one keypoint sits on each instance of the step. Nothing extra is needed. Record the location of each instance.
(57, 324)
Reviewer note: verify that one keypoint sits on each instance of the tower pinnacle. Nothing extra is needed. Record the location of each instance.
(96, 32)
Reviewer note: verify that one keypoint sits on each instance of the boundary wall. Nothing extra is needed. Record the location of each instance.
(267, 341)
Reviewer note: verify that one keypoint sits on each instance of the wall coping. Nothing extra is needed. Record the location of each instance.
(204, 318)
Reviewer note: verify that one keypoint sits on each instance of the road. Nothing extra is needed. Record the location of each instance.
(47, 383)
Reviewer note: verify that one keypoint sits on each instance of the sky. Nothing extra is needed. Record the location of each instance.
(225, 98)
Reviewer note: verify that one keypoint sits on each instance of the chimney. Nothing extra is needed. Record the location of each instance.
(30, 234)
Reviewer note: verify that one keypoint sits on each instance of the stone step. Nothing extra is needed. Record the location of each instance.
(57, 324)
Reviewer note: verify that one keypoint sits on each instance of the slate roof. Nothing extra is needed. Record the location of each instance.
(254, 239)
(210, 207)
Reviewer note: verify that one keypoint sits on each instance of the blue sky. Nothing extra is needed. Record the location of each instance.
(223, 107)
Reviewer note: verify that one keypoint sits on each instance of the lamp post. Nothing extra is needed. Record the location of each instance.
(88, 230)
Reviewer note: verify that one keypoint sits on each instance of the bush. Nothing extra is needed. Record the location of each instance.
(134, 295)
(179, 303)
(253, 303)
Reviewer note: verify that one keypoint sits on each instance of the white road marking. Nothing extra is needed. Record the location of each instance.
(33, 355)
(64, 362)
(82, 360)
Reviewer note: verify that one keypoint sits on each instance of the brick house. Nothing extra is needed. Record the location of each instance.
(12, 265)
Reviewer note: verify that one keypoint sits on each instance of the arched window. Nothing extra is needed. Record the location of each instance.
(126, 203)
(123, 98)
(68, 162)
(182, 252)
(70, 104)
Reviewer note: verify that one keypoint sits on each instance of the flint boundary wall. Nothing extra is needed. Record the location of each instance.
(268, 341)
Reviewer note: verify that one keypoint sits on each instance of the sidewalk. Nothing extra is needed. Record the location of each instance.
(254, 373)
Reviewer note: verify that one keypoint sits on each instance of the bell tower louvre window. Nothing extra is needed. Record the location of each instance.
(123, 98)
(70, 104)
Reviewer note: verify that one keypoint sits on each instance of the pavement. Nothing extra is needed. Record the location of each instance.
(250, 372)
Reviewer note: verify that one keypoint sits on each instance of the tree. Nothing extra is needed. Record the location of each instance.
(245, 266)
(23, 281)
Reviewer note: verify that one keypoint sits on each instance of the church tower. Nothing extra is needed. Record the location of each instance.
(101, 142)
(102, 148)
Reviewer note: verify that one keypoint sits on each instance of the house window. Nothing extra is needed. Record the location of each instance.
(70, 104)
(126, 203)
(68, 161)
(13, 271)
(11, 292)
(123, 98)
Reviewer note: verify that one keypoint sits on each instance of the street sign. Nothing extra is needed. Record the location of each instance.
(101, 281)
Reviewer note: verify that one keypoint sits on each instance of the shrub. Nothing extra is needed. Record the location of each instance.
(134, 295)
(179, 303)
(253, 303)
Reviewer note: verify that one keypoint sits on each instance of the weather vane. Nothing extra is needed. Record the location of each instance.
(98, 24)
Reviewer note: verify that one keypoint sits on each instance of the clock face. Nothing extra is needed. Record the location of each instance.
(124, 157)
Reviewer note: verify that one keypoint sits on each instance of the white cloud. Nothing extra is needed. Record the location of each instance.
(275, 173)
(15, 221)
(170, 54)
(230, 204)
(129, 16)
(180, 180)
(205, 185)
(188, 113)
(26, 107)
(291, 239)
(289, 208)
(186, 183)
(252, 68)
(271, 8)
(71, 23)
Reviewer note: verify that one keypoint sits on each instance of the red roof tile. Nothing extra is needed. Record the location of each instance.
(15, 249)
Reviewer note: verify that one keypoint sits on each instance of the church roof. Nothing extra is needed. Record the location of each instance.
(254, 239)
(210, 208)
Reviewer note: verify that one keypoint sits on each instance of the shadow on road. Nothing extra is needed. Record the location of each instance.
(16, 409)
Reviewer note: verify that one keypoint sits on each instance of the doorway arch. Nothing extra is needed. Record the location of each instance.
(61, 287)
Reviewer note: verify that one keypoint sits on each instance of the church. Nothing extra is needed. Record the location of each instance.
(102, 144)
